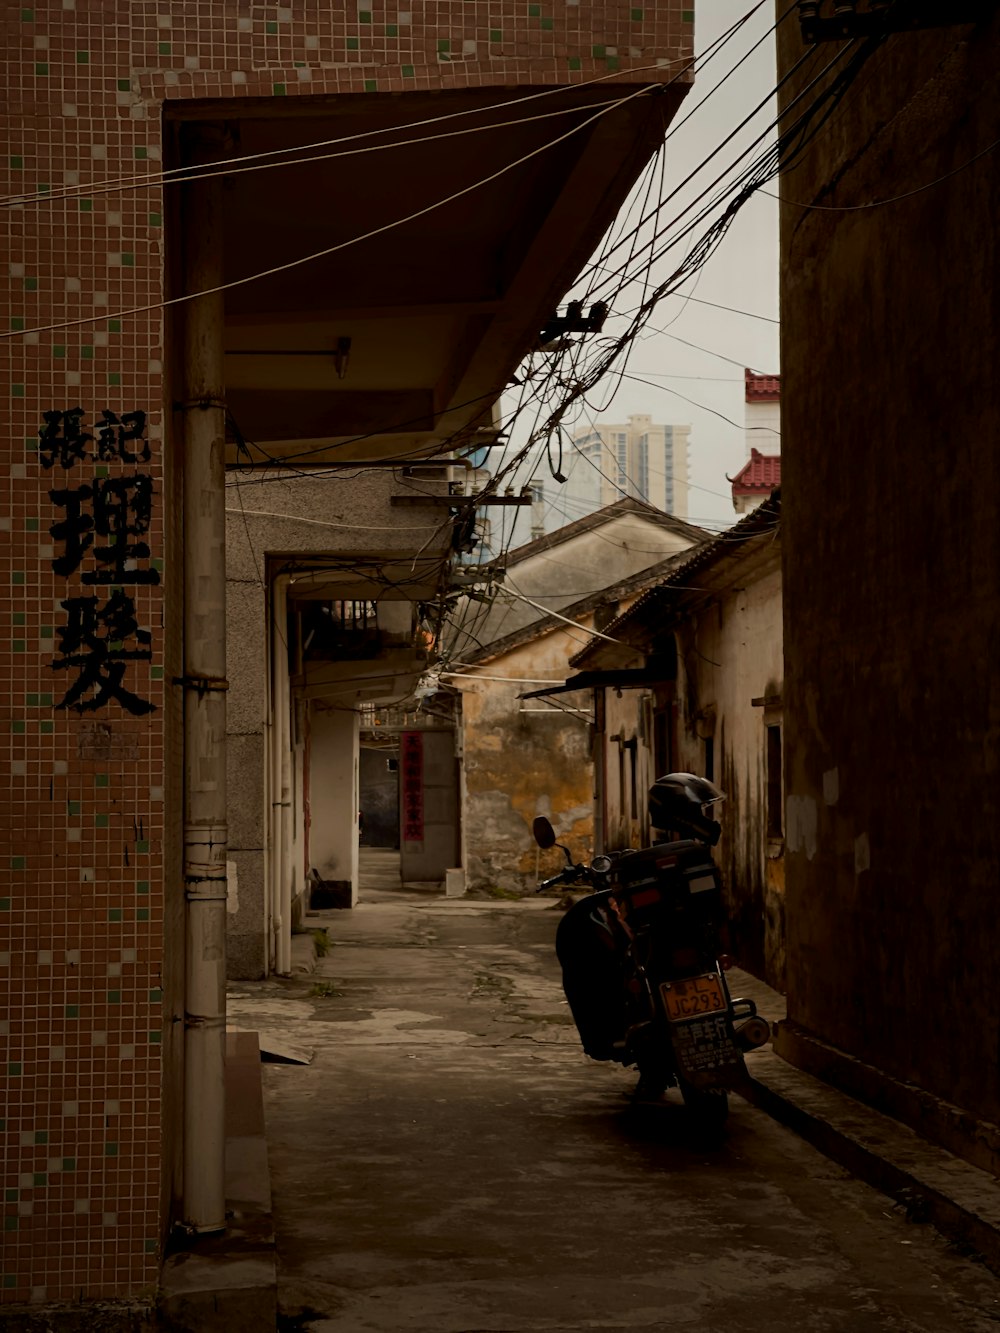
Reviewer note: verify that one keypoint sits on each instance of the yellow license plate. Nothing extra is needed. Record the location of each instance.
(693, 996)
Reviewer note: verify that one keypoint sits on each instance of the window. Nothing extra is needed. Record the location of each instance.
(775, 823)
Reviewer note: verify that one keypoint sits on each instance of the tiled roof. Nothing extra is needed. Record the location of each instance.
(762, 388)
(620, 508)
(761, 473)
(761, 525)
(535, 629)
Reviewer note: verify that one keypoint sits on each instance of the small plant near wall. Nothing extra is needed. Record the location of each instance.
(325, 990)
(495, 891)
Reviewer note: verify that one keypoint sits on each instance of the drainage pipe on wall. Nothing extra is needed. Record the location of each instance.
(205, 833)
(281, 780)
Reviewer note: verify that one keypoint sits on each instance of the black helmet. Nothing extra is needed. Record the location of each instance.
(680, 801)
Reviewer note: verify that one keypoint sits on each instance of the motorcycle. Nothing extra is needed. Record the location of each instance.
(644, 974)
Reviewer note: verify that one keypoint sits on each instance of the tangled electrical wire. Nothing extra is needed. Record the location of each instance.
(555, 382)
(563, 379)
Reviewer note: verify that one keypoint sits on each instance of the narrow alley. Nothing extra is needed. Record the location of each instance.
(450, 1161)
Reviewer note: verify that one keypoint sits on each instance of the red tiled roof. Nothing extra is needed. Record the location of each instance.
(761, 473)
(762, 388)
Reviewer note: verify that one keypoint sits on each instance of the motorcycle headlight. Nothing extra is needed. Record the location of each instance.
(601, 865)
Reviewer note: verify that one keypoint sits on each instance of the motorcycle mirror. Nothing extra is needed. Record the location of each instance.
(545, 834)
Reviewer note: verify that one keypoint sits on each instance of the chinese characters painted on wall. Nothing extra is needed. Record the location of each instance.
(101, 539)
(411, 760)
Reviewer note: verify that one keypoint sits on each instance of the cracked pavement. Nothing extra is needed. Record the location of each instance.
(450, 1162)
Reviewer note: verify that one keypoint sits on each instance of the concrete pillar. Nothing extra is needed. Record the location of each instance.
(205, 834)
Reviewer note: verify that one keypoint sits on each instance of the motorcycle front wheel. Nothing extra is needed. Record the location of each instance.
(708, 1106)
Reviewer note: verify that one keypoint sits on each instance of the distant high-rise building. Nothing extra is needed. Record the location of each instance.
(640, 459)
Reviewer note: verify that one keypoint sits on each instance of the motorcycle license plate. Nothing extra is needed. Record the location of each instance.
(693, 996)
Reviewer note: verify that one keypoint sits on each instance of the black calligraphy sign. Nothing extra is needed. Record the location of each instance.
(64, 440)
(95, 642)
(102, 531)
(115, 508)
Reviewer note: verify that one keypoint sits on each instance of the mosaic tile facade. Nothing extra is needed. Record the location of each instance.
(87, 877)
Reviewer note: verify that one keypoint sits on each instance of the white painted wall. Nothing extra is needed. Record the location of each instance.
(763, 427)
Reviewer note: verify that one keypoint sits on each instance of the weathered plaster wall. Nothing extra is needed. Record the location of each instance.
(730, 655)
(426, 860)
(580, 566)
(518, 765)
(333, 797)
(891, 479)
(265, 518)
(627, 717)
(379, 797)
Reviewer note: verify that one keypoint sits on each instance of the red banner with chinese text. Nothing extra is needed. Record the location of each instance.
(412, 764)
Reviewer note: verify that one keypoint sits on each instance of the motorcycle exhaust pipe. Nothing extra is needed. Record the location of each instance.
(751, 1033)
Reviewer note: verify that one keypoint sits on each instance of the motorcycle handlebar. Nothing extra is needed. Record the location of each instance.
(566, 876)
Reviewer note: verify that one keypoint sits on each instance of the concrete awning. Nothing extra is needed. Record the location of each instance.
(392, 344)
(627, 678)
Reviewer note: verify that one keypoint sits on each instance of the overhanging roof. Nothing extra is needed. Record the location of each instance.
(432, 258)
(627, 506)
(547, 624)
(624, 679)
(733, 545)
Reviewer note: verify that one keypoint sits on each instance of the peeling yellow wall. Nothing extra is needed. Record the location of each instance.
(519, 764)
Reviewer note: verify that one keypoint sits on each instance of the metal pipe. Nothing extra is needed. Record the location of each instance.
(282, 780)
(205, 832)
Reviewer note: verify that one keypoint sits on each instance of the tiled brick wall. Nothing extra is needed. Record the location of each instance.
(84, 896)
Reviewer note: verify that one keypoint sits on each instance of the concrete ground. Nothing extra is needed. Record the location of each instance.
(450, 1162)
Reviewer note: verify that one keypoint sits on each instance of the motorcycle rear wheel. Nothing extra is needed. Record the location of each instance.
(709, 1106)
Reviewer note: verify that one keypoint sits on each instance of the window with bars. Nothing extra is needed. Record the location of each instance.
(341, 629)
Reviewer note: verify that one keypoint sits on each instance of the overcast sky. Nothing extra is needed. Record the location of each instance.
(742, 273)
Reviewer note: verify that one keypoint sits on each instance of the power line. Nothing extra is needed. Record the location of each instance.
(195, 171)
(332, 249)
(895, 199)
(598, 286)
(676, 128)
(732, 309)
(326, 523)
(790, 144)
(707, 350)
(155, 180)
(665, 388)
(655, 214)
(573, 391)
